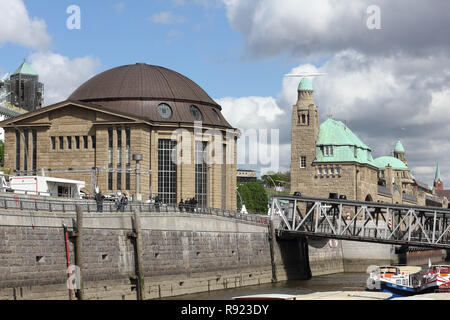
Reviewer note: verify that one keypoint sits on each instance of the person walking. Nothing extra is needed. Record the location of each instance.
(187, 205)
(118, 201)
(194, 205)
(123, 202)
(99, 197)
(181, 205)
(157, 203)
(191, 205)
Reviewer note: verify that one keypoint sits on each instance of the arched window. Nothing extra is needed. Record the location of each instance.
(165, 111)
(216, 114)
(196, 113)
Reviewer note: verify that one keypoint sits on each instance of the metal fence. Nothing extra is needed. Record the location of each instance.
(90, 206)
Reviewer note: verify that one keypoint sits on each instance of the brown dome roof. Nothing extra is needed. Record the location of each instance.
(144, 82)
(138, 89)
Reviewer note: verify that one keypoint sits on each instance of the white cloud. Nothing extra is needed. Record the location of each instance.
(61, 75)
(167, 17)
(321, 27)
(16, 26)
(439, 105)
(256, 118)
(250, 112)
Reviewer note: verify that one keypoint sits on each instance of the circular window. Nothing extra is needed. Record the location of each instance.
(196, 113)
(216, 114)
(164, 111)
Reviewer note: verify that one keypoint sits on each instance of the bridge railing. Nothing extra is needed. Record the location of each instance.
(44, 204)
(362, 221)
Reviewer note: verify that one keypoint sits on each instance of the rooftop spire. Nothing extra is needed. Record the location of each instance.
(25, 69)
(437, 176)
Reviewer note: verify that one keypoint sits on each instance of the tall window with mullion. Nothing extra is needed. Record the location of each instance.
(128, 158)
(167, 172)
(110, 158)
(25, 158)
(34, 133)
(18, 150)
(201, 173)
(119, 158)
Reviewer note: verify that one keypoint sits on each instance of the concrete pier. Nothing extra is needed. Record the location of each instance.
(180, 254)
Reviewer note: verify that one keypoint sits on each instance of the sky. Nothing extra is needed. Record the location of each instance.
(387, 62)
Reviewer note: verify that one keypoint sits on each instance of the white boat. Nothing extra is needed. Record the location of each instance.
(436, 279)
(400, 281)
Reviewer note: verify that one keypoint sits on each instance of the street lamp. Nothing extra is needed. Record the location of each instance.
(272, 181)
(137, 158)
(243, 208)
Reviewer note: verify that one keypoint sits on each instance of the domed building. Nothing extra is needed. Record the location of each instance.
(132, 112)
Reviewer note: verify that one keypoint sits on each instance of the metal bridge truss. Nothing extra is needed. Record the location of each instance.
(361, 221)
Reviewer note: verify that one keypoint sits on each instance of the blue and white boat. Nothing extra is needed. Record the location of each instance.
(400, 281)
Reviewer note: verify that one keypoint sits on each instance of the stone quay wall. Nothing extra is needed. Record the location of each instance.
(180, 254)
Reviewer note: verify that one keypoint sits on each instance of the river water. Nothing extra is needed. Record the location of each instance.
(333, 282)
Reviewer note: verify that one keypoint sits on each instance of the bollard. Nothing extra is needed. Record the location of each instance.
(272, 240)
(140, 280)
(78, 235)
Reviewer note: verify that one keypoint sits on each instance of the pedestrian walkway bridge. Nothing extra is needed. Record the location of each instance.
(361, 221)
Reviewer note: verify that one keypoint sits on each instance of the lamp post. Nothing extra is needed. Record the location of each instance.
(242, 203)
(272, 181)
(137, 158)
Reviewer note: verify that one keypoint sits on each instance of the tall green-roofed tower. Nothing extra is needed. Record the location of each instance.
(304, 134)
(26, 90)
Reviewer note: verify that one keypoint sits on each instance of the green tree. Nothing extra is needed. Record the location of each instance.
(254, 196)
(280, 179)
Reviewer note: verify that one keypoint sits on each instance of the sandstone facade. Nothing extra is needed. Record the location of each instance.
(75, 137)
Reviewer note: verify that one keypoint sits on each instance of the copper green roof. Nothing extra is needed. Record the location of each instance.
(305, 85)
(437, 176)
(396, 164)
(399, 147)
(347, 147)
(25, 69)
(336, 133)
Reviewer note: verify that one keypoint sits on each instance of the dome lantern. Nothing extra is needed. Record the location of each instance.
(305, 85)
